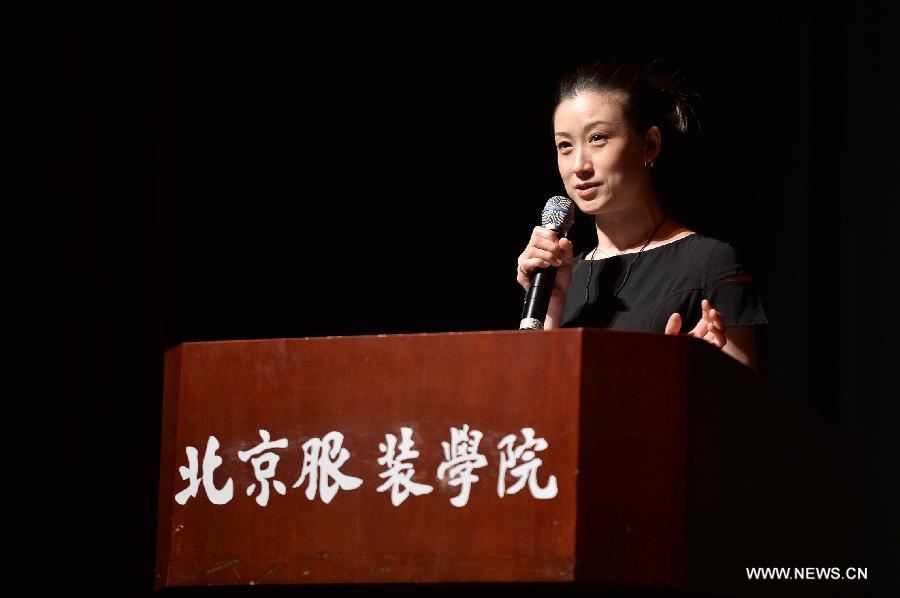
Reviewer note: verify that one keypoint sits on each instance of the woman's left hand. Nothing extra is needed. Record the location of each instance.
(710, 328)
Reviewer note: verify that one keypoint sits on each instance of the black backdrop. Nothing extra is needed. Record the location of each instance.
(253, 172)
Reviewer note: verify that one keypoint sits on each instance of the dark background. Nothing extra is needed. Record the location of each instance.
(222, 173)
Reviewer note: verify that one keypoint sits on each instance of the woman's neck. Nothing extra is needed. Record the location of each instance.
(631, 230)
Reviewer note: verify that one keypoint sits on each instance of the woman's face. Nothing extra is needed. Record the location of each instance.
(600, 157)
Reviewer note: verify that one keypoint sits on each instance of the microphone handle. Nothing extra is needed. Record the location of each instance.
(538, 299)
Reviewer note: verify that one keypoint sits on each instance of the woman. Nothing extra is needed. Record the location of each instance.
(647, 271)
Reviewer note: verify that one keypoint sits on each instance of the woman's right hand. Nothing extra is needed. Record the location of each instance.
(544, 249)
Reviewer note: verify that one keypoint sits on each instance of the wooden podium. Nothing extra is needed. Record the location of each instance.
(631, 459)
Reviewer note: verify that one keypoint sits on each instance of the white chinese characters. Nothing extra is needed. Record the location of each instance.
(399, 474)
(264, 466)
(322, 461)
(461, 458)
(522, 462)
(217, 496)
(324, 457)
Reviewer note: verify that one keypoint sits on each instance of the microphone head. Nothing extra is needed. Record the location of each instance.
(558, 215)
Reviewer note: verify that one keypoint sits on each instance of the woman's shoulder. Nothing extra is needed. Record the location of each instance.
(721, 257)
(699, 257)
(695, 239)
(696, 244)
(685, 245)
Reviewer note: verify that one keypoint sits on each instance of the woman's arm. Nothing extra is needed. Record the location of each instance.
(742, 344)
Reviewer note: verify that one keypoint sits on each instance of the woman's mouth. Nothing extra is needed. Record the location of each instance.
(587, 192)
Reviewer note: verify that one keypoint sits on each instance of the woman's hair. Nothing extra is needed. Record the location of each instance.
(651, 96)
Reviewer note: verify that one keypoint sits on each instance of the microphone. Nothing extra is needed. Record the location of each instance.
(558, 215)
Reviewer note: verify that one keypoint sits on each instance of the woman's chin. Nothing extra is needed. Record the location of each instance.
(592, 207)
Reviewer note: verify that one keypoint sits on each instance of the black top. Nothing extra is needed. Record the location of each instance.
(670, 278)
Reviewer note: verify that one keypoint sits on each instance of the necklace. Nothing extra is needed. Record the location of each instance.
(587, 286)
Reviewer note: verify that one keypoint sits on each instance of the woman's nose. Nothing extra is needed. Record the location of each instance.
(582, 164)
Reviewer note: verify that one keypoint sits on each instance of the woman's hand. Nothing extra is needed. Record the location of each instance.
(544, 249)
(742, 342)
(710, 328)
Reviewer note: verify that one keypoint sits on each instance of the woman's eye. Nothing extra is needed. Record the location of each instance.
(563, 145)
(597, 137)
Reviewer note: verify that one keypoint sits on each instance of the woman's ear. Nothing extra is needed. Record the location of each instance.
(653, 142)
